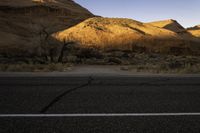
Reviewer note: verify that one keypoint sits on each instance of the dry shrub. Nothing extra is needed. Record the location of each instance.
(33, 67)
(89, 52)
(114, 60)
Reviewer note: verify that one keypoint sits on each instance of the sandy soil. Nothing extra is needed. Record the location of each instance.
(94, 70)
(114, 70)
(98, 69)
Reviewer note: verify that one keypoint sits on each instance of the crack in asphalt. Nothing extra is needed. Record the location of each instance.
(59, 97)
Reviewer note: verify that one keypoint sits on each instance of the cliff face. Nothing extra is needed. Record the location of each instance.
(21, 21)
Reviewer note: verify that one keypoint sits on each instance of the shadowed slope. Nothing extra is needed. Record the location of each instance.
(21, 21)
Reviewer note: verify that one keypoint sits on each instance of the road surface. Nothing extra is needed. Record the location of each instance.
(99, 104)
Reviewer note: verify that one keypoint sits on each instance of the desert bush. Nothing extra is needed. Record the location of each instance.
(113, 60)
(139, 48)
(33, 67)
(89, 53)
(118, 54)
(72, 59)
(174, 64)
(191, 69)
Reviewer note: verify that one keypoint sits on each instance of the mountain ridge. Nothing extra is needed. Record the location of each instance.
(124, 34)
(22, 21)
(195, 31)
(169, 24)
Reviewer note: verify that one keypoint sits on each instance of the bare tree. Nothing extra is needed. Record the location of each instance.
(45, 43)
(49, 45)
(50, 48)
(63, 49)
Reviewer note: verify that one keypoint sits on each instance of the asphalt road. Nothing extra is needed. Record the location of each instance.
(109, 95)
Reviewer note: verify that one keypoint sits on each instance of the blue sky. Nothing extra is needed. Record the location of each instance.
(186, 12)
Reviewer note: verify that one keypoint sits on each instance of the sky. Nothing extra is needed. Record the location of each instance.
(186, 12)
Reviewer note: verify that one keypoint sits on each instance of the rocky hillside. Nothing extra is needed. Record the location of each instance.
(107, 31)
(30, 27)
(126, 34)
(195, 31)
(170, 24)
(23, 21)
(174, 26)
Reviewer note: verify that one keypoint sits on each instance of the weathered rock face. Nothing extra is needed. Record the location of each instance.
(21, 21)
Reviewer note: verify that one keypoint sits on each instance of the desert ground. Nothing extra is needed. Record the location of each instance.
(76, 37)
